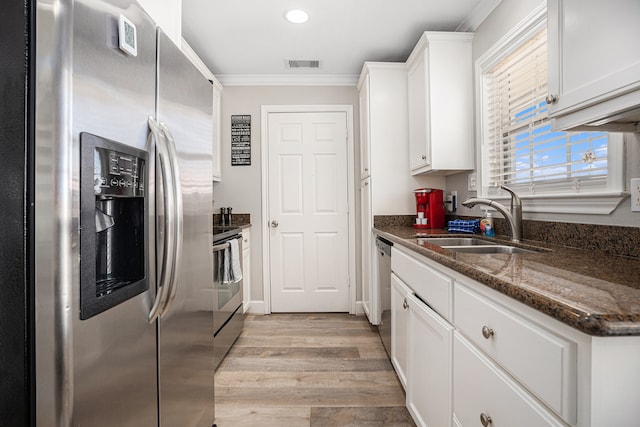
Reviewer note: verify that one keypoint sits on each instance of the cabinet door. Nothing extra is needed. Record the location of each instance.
(430, 359)
(366, 222)
(590, 56)
(541, 360)
(419, 153)
(482, 391)
(246, 270)
(365, 128)
(217, 165)
(399, 328)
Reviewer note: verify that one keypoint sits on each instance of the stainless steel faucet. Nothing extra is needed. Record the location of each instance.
(513, 216)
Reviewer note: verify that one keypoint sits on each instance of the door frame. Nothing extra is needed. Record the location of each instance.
(264, 144)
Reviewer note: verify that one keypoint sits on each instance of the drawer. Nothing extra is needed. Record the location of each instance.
(432, 286)
(543, 362)
(480, 387)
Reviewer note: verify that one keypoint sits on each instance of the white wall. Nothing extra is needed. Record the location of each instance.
(241, 185)
(168, 16)
(503, 18)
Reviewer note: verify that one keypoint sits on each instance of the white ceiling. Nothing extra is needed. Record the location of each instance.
(250, 41)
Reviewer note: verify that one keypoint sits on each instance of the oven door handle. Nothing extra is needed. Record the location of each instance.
(220, 247)
(168, 246)
(178, 220)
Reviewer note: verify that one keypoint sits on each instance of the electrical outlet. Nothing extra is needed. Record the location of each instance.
(472, 184)
(635, 194)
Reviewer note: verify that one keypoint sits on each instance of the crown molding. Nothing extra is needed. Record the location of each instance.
(478, 15)
(287, 80)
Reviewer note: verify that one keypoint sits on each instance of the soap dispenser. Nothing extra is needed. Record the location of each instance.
(486, 225)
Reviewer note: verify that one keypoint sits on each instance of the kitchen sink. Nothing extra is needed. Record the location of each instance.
(474, 245)
(489, 249)
(455, 241)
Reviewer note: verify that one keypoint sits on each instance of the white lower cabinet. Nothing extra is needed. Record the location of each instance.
(541, 360)
(470, 356)
(503, 366)
(430, 366)
(246, 270)
(368, 256)
(484, 396)
(399, 327)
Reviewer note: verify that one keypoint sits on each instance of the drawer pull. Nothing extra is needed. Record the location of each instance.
(485, 419)
(487, 332)
(404, 304)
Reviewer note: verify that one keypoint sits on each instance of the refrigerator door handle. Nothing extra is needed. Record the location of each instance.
(178, 217)
(166, 175)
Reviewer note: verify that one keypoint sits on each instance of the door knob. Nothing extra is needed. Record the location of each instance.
(274, 223)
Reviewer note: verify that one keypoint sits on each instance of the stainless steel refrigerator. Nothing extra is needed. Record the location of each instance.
(116, 262)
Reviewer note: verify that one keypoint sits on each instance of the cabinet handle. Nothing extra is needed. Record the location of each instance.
(424, 157)
(487, 332)
(485, 419)
(404, 304)
(551, 98)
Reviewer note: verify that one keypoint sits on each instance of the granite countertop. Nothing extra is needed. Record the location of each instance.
(596, 293)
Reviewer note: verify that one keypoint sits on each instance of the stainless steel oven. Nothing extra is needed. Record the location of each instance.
(228, 319)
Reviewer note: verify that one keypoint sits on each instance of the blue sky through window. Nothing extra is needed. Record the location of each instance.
(542, 154)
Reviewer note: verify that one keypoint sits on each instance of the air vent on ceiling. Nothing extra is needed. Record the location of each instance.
(302, 63)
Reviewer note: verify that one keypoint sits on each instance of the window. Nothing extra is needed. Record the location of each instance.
(519, 148)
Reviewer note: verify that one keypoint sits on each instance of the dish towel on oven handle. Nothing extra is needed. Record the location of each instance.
(230, 265)
(236, 268)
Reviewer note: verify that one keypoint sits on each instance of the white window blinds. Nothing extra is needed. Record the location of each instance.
(522, 151)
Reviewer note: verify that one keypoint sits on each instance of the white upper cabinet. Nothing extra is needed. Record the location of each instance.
(217, 108)
(383, 137)
(168, 15)
(382, 89)
(594, 64)
(365, 120)
(440, 101)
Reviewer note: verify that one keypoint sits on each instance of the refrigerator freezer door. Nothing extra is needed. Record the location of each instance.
(115, 379)
(185, 104)
(101, 371)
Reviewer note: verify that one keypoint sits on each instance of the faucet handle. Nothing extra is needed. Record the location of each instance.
(515, 200)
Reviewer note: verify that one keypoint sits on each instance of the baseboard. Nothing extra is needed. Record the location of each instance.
(255, 307)
(258, 307)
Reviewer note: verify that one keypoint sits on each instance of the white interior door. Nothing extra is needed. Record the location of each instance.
(308, 212)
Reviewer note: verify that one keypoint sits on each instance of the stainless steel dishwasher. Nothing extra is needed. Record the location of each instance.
(383, 250)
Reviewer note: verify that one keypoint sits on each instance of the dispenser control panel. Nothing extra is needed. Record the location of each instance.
(118, 174)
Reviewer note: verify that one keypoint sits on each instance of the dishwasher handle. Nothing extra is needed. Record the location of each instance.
(384, 246)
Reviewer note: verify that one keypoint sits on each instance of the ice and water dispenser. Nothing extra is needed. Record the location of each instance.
(113, 224)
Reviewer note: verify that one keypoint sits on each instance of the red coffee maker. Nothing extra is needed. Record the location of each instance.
(429, 208)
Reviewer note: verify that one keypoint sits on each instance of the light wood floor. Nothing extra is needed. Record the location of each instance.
(308, 370)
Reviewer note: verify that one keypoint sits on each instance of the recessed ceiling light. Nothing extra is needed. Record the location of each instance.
(297, 16)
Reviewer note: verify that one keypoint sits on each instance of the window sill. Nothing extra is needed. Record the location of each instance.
(591, 204)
